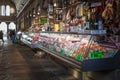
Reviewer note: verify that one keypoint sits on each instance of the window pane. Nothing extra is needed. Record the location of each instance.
(0, 11)
(3, 10)
(7, 10)
(12, 26)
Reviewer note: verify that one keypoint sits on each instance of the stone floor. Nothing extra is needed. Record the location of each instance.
(18, 62)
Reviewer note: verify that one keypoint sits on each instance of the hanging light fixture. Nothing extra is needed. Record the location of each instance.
(33, 15)
(55, 3)
(39, 10)
(38, 13)
(34, 12)
(27, 15)
(30, 14)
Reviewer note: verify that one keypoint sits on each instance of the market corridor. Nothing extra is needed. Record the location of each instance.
(18, 62)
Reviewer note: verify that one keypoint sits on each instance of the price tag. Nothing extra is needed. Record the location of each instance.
(62, 52)
(96, 55)
(78, 57)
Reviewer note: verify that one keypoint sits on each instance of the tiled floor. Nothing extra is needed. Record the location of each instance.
(19, 62)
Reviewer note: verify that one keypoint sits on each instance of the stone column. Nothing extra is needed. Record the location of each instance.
(7, 26)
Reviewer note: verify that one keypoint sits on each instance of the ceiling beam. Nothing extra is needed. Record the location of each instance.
(23, 8)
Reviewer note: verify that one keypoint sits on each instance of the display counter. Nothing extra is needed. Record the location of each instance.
(79, 50)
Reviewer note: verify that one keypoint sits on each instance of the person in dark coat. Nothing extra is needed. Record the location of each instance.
(12, 35)
(1, 36)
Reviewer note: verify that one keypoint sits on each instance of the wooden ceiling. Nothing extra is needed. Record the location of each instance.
(20, 4)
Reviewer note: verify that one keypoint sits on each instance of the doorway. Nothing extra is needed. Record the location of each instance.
(12, 26)
(3, 27)
(6, 27)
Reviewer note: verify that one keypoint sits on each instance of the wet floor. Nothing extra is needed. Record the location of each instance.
(18, 62)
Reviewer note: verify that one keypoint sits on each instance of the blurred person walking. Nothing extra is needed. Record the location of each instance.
(12, 35)
(1, 36)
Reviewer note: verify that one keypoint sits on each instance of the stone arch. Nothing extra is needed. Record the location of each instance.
(12, 26)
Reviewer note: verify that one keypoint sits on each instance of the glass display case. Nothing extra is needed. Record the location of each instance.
(76, 46)
(29, 39)
(85, 48)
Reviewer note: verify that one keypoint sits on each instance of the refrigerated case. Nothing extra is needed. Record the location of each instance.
(77, 49)
(30, 39)
(76, 46)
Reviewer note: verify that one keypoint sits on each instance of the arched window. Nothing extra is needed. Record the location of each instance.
(7, 10)
(3, 10)
(12, 26)
(3, 27)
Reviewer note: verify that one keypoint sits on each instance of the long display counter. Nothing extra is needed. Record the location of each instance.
(79, 51)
